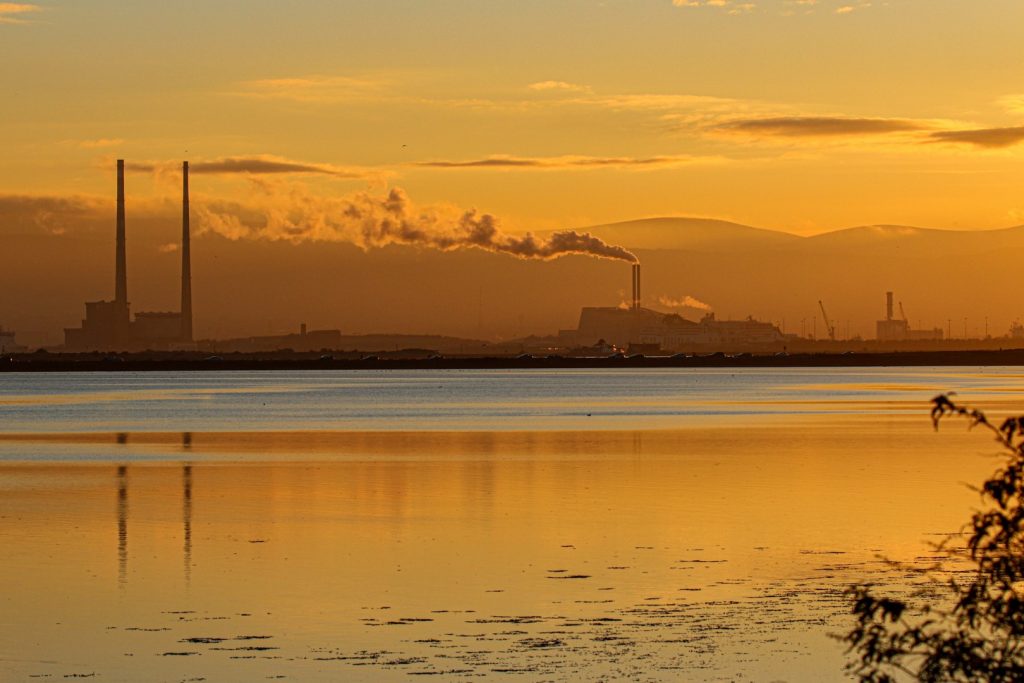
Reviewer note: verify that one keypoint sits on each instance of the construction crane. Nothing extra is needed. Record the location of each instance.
(903, 314)
(828, 323)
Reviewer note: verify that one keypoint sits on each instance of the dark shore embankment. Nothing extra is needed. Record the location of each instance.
(170, 363)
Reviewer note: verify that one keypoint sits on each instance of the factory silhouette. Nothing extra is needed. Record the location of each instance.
(630, 327)
(109, 324)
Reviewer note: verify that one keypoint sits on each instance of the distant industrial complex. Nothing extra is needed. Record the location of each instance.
(109, 326)
(898, 329)
(641, 328)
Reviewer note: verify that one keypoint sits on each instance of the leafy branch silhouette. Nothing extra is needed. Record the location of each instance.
(977, 632)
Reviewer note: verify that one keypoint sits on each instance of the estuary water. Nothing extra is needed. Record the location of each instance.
(562, 525)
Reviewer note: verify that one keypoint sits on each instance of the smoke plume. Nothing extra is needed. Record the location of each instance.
(683, 302)
(282, 211)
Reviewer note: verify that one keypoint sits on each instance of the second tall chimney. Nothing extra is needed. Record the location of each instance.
(186, 260)
(121, 263)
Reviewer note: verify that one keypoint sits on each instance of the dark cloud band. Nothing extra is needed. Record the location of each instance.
(820, 126)
(981, 137)
(555, 162)
(256, 165)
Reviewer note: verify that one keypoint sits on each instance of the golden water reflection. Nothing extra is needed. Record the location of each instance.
(700, 553)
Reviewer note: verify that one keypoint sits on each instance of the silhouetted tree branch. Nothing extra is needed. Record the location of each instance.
(977, 634)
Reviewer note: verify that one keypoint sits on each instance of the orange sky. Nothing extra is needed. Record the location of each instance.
(797, 115)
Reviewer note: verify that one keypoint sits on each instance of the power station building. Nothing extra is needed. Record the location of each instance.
(898, 329)
(639, 326)
(108, 325)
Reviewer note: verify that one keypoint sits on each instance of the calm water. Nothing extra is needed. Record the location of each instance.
(533, 526)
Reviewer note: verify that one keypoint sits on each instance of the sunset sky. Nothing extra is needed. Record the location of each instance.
(803, 116)
(797, 115)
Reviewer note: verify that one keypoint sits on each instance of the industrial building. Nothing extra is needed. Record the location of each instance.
(898, 329)
(305, 340)
(7, 343)
(108, 325)
(641, 327)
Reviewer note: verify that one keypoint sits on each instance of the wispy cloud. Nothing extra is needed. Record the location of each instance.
(54, 215)
(544, 95)
(847, 9)
(728, 5)
(711, 3)
(569, 162)
(562, 86)
(1012, 103)
(819, 126)
(99, 143)
(657, 101)
(259, 165)
(263, 164)
(15, 12)
(313, 89)
(991, 138)
(783, 7)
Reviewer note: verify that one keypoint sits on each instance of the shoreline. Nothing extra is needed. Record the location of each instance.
(282, 362)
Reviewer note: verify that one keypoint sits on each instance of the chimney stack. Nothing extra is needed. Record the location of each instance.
(888, 305)
(121, 275)
(186, 260)
(636, 287)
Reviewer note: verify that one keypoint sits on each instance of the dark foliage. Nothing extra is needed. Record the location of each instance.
(974, 631)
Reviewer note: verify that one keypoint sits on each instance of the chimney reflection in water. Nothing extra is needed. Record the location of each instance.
(122, 513)
(122, 524)
(186, 508)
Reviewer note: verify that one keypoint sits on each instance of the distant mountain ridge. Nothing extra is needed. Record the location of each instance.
(701, 234)
(966, 282)
(687, 233)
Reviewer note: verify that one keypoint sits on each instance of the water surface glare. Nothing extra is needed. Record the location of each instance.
(658, 525)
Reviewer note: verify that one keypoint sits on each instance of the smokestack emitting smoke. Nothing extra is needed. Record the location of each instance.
(289, 212)
(120, 268)
(186, 260)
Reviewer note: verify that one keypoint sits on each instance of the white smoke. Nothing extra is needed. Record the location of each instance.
(683, 302)
(283, 211)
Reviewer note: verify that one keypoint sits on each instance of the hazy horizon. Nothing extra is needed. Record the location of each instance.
(338, 285)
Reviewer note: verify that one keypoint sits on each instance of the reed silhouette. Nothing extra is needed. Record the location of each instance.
(970, 627)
